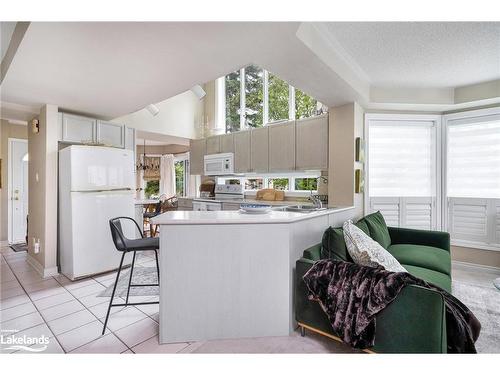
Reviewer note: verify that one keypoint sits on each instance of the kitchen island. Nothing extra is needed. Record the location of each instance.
(225, 274)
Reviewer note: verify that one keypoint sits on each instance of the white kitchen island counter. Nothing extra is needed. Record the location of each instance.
(224, 274)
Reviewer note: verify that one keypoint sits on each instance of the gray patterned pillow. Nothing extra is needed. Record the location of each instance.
(367, 252)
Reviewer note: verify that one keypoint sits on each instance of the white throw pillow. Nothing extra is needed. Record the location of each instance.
(367, 252)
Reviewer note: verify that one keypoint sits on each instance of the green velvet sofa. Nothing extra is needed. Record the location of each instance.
(415, 322)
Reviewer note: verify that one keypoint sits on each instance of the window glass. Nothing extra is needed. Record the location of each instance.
(401, 158)
(254, 183)
(152, 189)
(254, 96)
(179, 178)
(306, 183)
(278, 98)
(232, 82)
(305, 105)
(474, 160)
(279, 183)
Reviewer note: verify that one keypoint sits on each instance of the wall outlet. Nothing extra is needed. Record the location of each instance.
(36, 245)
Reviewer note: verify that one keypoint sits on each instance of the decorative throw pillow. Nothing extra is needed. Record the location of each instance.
(367, 252)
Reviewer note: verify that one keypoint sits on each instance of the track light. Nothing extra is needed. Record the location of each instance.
(198, 91)
(153, 109)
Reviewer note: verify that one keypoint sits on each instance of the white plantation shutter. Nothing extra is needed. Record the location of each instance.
(402, 171)
(473, 180)
(469, 219)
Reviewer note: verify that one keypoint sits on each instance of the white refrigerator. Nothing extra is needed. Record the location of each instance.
(95, 185)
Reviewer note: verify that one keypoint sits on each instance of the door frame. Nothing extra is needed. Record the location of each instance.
(9, 187)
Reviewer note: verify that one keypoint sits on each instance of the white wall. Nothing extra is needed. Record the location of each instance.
(179, 116)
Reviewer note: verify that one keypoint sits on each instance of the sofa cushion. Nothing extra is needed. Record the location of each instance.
(378, 229)
(433, 277)
(333, 243)
(429, 257)
(367, 252)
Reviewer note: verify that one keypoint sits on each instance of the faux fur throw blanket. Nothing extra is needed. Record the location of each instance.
(351, 295)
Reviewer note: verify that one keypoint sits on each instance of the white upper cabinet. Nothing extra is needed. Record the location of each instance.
(130, 138)
(226, 143)
(312, 143)
(110, 134)
(241, 142)
(282, 147)
(78, 129)
(259, 154)
(213, 145)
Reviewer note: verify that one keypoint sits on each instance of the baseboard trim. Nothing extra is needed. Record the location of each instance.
(44, 272)
(475, 265)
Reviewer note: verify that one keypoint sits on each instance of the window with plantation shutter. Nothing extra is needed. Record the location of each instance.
(402, 169)
(473, 178)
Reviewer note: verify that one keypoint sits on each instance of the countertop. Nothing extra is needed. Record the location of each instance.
(145, 201)
(249, 200)
(236, 217)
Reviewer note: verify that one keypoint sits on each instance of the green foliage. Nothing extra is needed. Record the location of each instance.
(305, 106)
(306, 184)
(279, 183)
(152, 188)
(278, 98)
(254, 96)
(179, 178)
(232, 81)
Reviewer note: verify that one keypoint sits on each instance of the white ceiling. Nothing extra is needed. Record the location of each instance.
(110, 69)
(422, 54)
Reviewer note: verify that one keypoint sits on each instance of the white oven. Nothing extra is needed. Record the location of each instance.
(219, 164)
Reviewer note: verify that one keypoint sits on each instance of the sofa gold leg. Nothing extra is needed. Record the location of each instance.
(303, 328)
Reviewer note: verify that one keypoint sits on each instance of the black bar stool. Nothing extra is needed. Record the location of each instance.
(126, 245)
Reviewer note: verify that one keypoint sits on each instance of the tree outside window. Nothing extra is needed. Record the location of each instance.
(179, 178)
(233, 101)
(279, 183)
(305, 106)
(254, 96)
(308, 183)
(278, 98)
(152, 188)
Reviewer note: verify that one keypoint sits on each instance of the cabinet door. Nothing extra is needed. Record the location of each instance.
(226, 143)
(282, 147)
(230, 206)
(259, 153)
(78, 129)
(213, 145)
(111, 134)
(197, 153)
(130, 138)
(312, 143)
(241, 151)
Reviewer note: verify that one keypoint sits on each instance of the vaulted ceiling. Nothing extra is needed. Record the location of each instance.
(110, 69)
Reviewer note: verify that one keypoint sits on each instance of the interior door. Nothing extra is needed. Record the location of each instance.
(18, 190)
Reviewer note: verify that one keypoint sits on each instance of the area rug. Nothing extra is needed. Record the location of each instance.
(141, 275)
(19, 247)
(484, 302)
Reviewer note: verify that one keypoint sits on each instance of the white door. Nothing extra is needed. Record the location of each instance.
(18, 189)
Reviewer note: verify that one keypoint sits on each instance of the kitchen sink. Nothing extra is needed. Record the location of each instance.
(304, 208)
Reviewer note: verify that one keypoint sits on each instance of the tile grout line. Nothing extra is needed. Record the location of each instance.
(38, 311)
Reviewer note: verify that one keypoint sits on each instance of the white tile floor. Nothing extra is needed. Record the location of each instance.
(72, 315)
